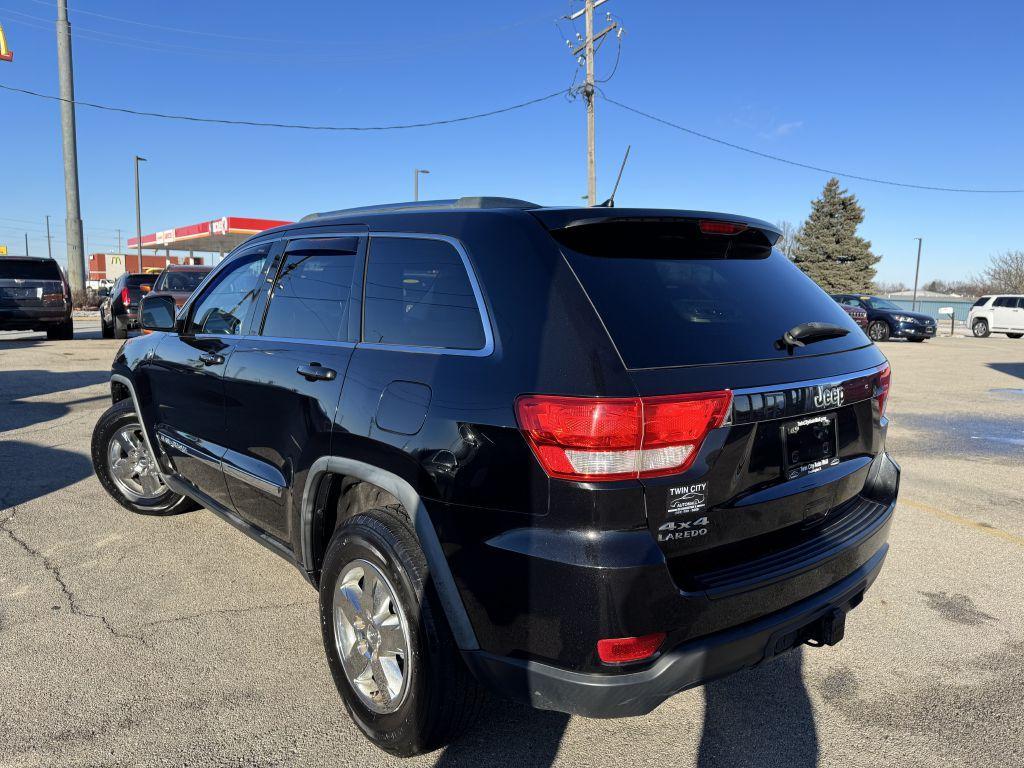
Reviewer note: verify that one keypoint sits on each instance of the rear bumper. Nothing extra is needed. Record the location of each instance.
(127, 320)
(13, 319)
(688, 665)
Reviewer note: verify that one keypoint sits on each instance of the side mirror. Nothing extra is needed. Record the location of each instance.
(157, 313)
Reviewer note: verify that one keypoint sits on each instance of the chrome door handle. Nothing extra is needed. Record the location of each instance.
(209, 358)
(316, 372)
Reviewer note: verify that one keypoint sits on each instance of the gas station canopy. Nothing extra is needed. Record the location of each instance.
(217, 236)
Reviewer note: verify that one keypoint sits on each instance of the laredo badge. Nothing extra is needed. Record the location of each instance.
(686, 499)
(674, 530)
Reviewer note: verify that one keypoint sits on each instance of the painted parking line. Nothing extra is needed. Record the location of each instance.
(964, 521)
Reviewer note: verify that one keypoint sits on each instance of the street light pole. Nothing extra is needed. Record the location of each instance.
(917, 271)
(138, 210)
(416, 182)
(49, 247)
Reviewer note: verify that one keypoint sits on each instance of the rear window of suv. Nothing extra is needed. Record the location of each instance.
(18, 269)
(180, 280)
(670, 296)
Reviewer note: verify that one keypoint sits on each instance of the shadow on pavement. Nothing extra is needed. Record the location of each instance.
(1012, 369)
(760, 717)
(29, 338)
(508, 733)
(40, 470)
(17, 412)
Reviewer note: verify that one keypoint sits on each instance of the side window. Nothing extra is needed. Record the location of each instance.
(418, 294)
(311, 295)
(982, 301)
(223, 307)
(1005, 301)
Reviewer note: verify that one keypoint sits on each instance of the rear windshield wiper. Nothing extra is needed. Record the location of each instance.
(808, 333)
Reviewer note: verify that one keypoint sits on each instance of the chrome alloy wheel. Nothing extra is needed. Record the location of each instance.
(132, 467)
(371, 635)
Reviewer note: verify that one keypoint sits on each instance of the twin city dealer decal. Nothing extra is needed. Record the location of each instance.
(685, 500)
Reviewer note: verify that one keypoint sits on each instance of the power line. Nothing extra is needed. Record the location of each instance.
(295, 126)
(787, 161)
(434, 43)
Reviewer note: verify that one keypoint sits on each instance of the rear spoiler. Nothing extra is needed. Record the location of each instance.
(707, 222)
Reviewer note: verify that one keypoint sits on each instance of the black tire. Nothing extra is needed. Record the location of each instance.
(1015, 335)
(878, 330)
(105, 330)
(980, 328)
(114, 419)
(63, 332)
(120, 331)
(441, 697)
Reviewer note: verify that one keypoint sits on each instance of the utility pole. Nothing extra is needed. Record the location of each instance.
(138, 209)
(119, 241)
(587, 50)
(416, 182)
(49, 246)
(76, 272)
(588, 94)
(917, 271)
(26, 244)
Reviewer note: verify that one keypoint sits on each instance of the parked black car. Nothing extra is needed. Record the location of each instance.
(560, 454)
(119, 312)
(887, 320)
(35, 296)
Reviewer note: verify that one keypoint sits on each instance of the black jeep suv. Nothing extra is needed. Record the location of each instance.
(561, 454)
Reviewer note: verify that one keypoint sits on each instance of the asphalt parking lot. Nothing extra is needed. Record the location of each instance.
(129, 640)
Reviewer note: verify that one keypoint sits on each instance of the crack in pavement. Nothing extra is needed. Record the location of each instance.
(54, 570)
(226, 611)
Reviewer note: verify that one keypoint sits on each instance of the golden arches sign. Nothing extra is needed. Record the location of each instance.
(6, 54)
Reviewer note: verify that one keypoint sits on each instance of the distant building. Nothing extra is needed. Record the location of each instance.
(110, 266)
(921, 294)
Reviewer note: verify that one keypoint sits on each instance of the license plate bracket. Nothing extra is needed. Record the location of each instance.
(809, 444)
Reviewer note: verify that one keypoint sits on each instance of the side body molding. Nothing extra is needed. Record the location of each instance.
(455, 611)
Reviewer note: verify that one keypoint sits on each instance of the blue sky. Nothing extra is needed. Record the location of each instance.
(923, 92)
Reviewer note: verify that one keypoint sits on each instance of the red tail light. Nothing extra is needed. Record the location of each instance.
(125, 298)
(882, 389)
(578, 438)
(721, 227)
(621, 649)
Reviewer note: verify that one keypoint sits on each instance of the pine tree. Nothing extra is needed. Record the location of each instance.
(827, 248)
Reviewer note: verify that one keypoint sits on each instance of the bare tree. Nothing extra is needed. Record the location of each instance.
(883, 287)
(789, 232)
(1005, 273)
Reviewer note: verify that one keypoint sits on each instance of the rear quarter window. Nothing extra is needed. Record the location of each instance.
(419, 294)
(678, 298)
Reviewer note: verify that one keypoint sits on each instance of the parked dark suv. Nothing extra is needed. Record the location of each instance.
(34, 296)
(119, 312)
(561, 454)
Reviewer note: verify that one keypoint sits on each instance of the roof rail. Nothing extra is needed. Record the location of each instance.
(429, 205)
